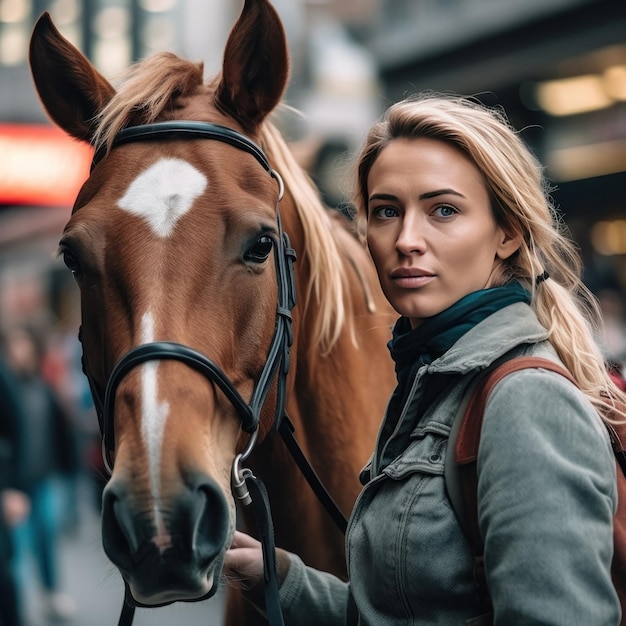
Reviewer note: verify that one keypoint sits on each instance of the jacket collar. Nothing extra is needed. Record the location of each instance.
(502, 331)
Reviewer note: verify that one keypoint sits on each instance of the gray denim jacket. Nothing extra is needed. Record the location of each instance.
(546, 499)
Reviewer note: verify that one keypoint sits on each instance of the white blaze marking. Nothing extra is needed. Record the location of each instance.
(163, 193)
(153, 416)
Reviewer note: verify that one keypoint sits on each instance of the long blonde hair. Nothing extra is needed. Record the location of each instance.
(523, 207)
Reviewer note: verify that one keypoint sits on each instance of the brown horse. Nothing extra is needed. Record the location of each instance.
(174, 242)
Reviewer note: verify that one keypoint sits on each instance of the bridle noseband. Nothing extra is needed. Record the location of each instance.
(277, 363)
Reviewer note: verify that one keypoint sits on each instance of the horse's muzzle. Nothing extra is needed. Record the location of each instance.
(167, 551)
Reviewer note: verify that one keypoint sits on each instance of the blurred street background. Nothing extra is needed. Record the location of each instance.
(557, 67)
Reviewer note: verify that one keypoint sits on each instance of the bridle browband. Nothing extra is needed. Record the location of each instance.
(275, 368)
(184, 129)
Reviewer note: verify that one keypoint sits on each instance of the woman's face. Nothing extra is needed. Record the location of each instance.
(430, 228)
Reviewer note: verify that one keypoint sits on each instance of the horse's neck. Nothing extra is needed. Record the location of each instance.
(335, 400)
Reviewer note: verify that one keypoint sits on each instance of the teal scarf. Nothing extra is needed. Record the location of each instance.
(439, 333)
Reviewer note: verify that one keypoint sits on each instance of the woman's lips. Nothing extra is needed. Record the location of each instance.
(411, 278)
(412, 281)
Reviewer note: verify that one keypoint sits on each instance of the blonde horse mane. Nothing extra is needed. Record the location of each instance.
(327, 286)
(146, 90)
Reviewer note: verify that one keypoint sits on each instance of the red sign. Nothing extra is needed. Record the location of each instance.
(41, 165)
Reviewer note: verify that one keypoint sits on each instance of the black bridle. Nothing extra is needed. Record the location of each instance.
(275, 368)
(277, 362)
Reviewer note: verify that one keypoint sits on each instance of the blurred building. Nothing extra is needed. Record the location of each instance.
(558, 67)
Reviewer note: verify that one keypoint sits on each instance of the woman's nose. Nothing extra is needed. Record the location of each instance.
(411, 238)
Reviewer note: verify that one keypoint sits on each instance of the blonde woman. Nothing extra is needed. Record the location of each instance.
(469, 252)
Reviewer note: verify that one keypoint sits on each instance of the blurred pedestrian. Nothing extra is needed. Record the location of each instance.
(61, 368)
(14, 504)
(613, 339)
(46, 450)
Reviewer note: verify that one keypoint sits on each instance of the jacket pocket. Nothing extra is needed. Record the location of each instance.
(425, 453)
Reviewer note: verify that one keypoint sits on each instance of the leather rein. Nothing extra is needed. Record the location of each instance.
(275, 368)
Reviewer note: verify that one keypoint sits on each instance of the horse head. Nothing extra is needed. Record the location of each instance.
(174, 241)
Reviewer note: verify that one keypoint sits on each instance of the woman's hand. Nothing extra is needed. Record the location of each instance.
(243, 563)
(243, 566)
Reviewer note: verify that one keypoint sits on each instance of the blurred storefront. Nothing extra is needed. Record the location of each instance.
(42, 169)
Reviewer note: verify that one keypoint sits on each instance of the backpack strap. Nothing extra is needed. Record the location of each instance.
(461, 476)
(467, 442)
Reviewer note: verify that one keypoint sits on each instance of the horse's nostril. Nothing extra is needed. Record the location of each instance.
(118, 535)
(212, 521)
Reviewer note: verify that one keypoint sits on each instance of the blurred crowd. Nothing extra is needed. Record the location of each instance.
(48, 443)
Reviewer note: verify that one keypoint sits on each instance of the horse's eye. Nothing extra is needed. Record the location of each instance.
(71, 262)
(261, 249)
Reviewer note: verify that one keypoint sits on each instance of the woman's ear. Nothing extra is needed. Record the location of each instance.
(509, 244)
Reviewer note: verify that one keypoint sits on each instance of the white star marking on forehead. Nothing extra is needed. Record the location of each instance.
(163, 193)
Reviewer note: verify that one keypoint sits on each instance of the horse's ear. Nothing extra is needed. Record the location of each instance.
(256, 65)
(71, 90)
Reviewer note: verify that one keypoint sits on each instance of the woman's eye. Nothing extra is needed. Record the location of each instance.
(385, 212)
(71, 262)
(445, 211)
(261, 249)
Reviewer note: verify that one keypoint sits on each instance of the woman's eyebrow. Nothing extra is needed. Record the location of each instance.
(440, 192)
(425, 196)
(382, 196)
